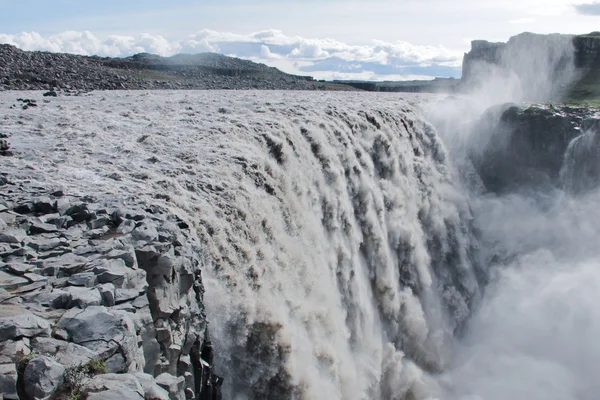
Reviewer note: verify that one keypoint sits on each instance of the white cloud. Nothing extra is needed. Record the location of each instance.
(320, 57)
(521, 21)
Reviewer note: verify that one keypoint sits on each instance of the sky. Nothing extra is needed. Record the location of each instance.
(327, 39)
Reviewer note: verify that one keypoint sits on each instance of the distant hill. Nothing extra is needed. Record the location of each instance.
(24, 70)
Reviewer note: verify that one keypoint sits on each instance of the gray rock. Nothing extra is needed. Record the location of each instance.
(121, 394)
(87, 279)
(126, 384)
(125, 295)
(40, 227)
(112, 271)
(12, 236)
(145, 232)
(100, 222)
(8, 381)
(8, 281)
(172, 384)
(58, 299)
(20, 269)
(31, 287)
(23, 325)
(107, 291)
(42, 377)
(83, 297)
(44, 205)
(12, 351)
(45, 244)
(127, 226)
(102, 331)
(151, 388)
(68, 354)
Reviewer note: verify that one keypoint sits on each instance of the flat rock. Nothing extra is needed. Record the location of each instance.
(151, 389)
(175, 385)
(12, 351)
(125, 383)
(101, 330)
(65, 353)
(41, 227)
(83, 297)
(8, 281)
(23, 325)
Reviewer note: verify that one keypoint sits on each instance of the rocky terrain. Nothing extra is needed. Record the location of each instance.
(25, 70)
(101, 292)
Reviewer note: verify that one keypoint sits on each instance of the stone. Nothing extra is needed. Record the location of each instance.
(8, 381)
(8, 281)
(87, 279)
(113, 381)
(175, 385)
(103, 331)
(125, 227)
(100, 222)
(98, 233)
(126, 295)
(112, 271)
(151, 389)
(11, 351)
(42, 377)
(107, 291)
(20, 269)
(83, 297)
(23, 325)
(41, 227)
(58, 299)
(44, 205)
(65, 353)
(145, 232)
(12, 236)
(40, 244)
(31, 287)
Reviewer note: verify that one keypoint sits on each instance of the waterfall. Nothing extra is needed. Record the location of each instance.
(339, 251)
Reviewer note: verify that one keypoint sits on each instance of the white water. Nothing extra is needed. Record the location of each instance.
(339, 257)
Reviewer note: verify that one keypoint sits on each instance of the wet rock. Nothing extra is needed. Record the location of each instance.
(42, 377)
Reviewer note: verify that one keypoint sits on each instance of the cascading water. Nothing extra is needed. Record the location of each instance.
(339, 251)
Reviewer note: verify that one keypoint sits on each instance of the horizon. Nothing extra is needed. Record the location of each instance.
(406, 41)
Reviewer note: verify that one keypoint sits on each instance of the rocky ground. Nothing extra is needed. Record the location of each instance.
(101, 293)
(25, 70)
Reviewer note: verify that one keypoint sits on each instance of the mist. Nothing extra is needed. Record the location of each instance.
(534, 334)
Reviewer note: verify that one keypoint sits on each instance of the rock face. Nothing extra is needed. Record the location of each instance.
(24, 70)
(535, 67)
(77, 290)
(520, 148)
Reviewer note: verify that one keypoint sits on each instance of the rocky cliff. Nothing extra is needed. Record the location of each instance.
(547, 67)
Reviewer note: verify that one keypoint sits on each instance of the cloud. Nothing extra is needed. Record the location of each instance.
(322, 57)
(521, 21)
(589, 8)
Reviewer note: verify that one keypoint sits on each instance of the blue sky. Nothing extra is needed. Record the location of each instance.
(370, 39)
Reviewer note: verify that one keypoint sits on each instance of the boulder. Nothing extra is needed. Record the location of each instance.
(172, 384)
(42, 377)
(101, 330)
